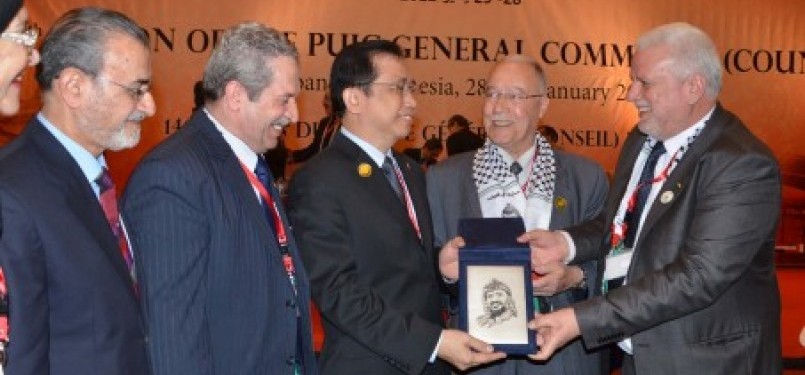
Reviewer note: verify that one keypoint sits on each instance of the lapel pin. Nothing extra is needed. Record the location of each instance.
(560, 203)
(666, 197)
(364, 170)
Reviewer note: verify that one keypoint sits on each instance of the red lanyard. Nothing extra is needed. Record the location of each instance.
(659, 178)
(409, 205)
(524, 186)
(282, 238)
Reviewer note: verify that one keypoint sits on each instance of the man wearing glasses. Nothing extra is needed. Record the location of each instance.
(361, 217)
(64, 250)
(518, 174)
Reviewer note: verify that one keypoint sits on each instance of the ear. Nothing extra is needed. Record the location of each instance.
(695, 88)
(543, 105)
(234, 95)
(72, 86)
(354, 98)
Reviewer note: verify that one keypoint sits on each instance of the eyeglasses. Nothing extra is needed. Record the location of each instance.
(136, 92)
(405, 86)
(27, 37)
(509, 96)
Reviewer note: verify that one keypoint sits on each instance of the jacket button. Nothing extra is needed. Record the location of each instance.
(290, 304)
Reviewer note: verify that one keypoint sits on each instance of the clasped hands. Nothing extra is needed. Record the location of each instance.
(549, 250)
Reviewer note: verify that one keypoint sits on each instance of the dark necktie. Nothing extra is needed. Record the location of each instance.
(264, 175)
(108, 200)
(632, 219)
(391, 176)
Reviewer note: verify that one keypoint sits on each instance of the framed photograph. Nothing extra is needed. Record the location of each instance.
(495, 296)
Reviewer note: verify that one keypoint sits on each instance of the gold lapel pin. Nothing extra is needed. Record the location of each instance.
(560, 203)
(364, 170)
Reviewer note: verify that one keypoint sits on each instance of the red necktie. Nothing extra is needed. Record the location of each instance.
(108, 199)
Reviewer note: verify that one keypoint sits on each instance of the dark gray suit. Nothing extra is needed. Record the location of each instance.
(72, 301)
(702, 295)
(374, 281)
(216, 296)
(582, 183)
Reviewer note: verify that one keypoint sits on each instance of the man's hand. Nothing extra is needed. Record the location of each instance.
(448, 258)
(464, 351)
(555, 278)
(546, 246)
(554, 330)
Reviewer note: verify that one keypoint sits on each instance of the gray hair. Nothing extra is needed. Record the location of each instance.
(692, 51)
(241, 56)
(77, 40)
(523, 59)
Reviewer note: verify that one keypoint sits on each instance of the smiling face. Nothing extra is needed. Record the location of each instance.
(14, 57)
(511, 123)
(274, 108)
(664, 101)
(383, 111)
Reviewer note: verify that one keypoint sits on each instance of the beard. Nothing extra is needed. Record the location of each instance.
(124, 138)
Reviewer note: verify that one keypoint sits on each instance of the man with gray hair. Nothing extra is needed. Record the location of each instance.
(73, 302)
(688, 229)
(223, 289)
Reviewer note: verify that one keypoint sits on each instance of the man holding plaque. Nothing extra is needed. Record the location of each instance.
(518, 174)
(688, 230)
(361, 217)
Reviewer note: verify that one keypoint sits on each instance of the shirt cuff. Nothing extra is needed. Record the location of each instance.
(571, 247)
(436, 350)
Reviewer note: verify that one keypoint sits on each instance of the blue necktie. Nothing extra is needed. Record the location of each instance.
(632, 219)
(264, 175)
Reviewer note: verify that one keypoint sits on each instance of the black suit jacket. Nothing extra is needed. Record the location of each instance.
(702, 291)
(372, 278)
(73, 307)
(216, 296)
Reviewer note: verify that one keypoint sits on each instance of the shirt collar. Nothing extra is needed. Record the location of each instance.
(673, 144)
(89, 164)
(242, 151)
(377, 156)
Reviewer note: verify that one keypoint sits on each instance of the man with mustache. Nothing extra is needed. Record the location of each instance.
(688, 230)
(517, 173)
(223, 287)
(498, 304)
(73, 302)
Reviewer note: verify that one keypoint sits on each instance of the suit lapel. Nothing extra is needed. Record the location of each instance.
(677, 180)
(418, 198)
(67, 176)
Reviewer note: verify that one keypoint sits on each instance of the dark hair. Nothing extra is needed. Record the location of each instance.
(459, 120)
(78, 39)
(433, 144)
(353, 67)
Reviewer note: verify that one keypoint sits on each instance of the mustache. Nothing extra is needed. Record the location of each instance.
(137, 116)
(281, 123)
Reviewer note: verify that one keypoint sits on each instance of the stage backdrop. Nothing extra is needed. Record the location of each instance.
(585, 47)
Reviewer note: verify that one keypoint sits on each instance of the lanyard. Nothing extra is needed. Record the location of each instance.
(409, 205)
(282, 238)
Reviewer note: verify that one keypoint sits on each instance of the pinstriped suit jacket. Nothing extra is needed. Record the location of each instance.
(217, 299)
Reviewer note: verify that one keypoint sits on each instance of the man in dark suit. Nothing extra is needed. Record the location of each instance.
(364, 229)
(461, 138)
(223, 287)
(518, 173)
(73, 303)
(700, 293)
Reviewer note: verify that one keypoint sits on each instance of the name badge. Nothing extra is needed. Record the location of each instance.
(618, 265)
